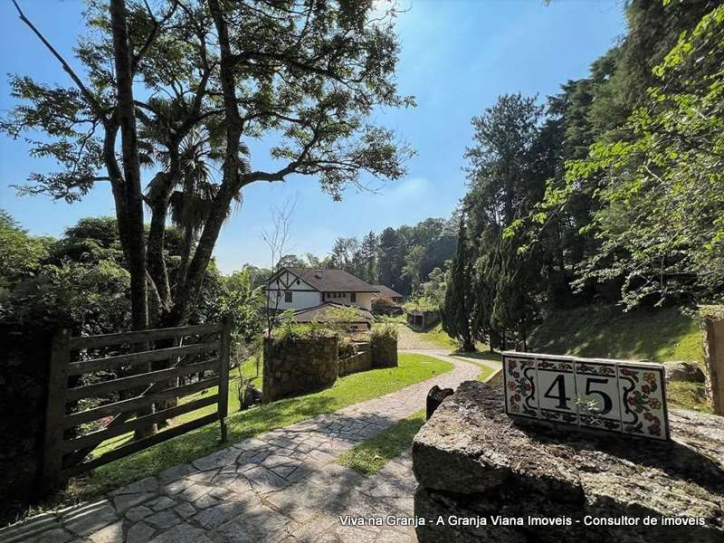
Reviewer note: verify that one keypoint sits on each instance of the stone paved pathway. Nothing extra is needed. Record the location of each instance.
(280, 486)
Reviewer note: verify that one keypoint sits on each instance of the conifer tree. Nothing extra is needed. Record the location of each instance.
(458, 300)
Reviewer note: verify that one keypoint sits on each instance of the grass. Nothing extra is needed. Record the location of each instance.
(687, 396)
(605, 331)
(347, 390)
(474, 358)
(439, 337)
(371, 456)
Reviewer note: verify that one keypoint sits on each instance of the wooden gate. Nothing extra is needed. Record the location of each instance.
(199, 354)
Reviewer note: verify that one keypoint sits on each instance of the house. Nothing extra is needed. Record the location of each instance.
(387, 292)
(312, 293)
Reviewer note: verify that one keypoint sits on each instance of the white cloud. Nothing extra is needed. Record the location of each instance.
(413, 190)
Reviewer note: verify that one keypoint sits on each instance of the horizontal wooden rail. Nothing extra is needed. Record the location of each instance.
(99, 436)
(124, 383)
(207, 350)
(141, 444)
(92, 342)
(134, 404)
(110, 362)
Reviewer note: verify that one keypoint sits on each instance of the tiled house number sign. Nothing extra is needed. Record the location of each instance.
(609, 395)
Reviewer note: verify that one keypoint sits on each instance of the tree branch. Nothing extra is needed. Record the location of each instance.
(81, 86)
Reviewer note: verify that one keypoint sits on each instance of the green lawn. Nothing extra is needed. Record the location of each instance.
(347, 390)
(370, 456)
(687, 396)
(474, 358)
(439, 337)
(605, 331)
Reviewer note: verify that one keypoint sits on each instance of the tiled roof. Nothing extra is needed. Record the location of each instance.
(332, 280)
(387, 292)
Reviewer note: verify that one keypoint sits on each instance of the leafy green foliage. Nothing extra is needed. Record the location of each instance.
(308, 73)
(611, 194)
(401, 258)
(20, 253)
(661, 218)
(458, 297)
(384, 331)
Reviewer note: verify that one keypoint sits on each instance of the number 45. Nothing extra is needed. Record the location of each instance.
(560, 385)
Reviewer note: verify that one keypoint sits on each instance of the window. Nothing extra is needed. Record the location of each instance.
(288, 297)
(353, 297)
(299, 282)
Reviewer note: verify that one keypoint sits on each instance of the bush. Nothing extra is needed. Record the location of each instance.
(422, 304)
(288, 329)
(384, 331)
(385, 306)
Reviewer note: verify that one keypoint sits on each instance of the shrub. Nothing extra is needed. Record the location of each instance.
(385, 306)
(384, 331)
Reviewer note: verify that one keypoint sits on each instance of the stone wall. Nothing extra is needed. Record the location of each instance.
(474, 462)
(384, 351)
(294, 366)
(362, 361)
(24, 356)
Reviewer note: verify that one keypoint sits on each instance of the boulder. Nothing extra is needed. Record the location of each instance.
(474, 463)
(684, 371)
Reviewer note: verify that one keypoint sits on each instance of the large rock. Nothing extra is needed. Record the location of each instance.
(684, 371)
(473, 461)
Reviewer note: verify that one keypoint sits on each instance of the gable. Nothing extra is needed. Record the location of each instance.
(286, 280)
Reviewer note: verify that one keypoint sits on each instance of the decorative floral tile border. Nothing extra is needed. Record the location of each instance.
(520, 378)
(607, 395)
(643, 400)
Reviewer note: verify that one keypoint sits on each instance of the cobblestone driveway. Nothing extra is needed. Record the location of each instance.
(280, 486)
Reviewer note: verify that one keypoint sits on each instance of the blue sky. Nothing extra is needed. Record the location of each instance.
(457, 57)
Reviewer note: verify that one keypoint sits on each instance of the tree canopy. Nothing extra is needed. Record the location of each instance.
(612, 190)
(195, 82)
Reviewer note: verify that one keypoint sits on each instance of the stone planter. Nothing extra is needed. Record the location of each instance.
(384, 352)
(296, 366)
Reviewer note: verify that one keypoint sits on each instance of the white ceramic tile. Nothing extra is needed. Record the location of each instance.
(643, 399)
(597, 394)
(520, 385)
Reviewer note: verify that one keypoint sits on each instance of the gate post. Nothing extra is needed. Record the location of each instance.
(714, 361)
(224, 355)
(55, 411)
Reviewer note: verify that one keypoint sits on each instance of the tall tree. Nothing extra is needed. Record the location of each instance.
(413, 267)
(458, 304)
(309, 73)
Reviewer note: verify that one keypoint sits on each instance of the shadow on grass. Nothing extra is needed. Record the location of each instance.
(605, 331)
(359, 387)
(201, 442)
(490, 357)
(372, 455)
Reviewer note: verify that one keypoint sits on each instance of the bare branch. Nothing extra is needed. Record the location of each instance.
(81, 86)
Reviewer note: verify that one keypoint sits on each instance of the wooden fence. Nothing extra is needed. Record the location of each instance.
(183, 353)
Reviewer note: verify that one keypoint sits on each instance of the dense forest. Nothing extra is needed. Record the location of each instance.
(81, 281)
(610, 191)
(401, 258)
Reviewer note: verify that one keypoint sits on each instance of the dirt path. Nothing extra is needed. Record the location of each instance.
(407, 340)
